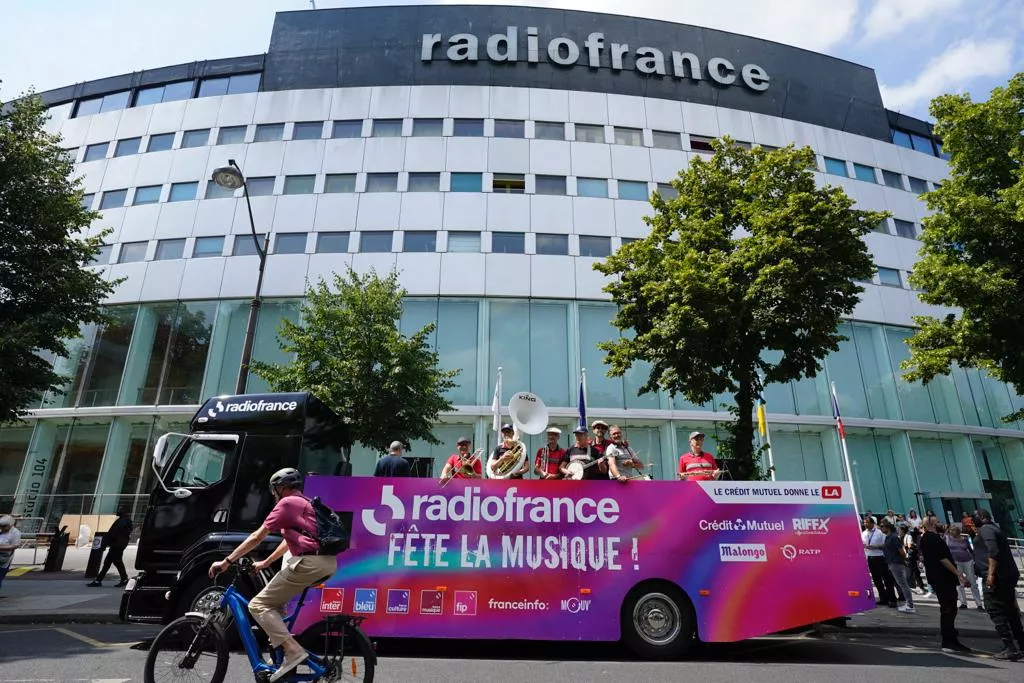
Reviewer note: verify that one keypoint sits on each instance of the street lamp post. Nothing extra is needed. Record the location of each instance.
(230, 177)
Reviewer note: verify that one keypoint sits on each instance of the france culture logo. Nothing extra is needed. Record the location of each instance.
(365, 601)
(398, 601)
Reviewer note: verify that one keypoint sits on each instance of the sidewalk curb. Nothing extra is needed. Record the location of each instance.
(51, 618)
(822, 629)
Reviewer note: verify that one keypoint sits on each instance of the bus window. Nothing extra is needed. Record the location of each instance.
(202, 464)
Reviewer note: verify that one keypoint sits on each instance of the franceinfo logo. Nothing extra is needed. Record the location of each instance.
(742, 552)
(472, 506)
(249, 406)
(597, 52)
(517, 605)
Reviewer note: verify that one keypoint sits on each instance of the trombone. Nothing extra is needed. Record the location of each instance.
(465, 467)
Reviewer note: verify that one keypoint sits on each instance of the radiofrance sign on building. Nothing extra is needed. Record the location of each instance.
(504, 47)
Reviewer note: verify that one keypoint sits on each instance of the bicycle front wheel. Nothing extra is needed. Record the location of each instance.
(188, 649)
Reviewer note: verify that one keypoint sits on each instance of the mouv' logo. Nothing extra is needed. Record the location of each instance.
(388, 499)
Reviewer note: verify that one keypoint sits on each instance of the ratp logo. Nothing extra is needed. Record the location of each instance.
(389, 500)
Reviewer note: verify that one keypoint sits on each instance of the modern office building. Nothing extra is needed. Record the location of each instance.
(491, 155)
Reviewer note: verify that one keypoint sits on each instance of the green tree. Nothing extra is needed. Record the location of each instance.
(46, 290)
(749, 270)
(350, 353)
(972, 254)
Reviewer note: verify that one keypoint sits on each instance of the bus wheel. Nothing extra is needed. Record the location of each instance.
(658, 621)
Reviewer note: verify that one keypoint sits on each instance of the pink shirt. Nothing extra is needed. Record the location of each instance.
(291, 513)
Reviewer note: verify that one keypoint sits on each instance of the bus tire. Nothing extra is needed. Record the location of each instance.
(658, 621)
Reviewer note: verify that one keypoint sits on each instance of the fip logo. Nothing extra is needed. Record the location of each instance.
(389, 500)
(574, 605)
(465, 603)
(365, 601)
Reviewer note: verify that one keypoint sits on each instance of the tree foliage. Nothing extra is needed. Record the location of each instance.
(972, 255)
(46, 290)
(350, 353)
(748, 271)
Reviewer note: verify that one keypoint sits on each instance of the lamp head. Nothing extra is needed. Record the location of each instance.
(228, 177)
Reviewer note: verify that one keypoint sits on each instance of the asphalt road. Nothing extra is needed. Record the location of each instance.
(112, 654)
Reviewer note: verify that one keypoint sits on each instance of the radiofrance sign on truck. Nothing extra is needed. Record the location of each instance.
(557, 559)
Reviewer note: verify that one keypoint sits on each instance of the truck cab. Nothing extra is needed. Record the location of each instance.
(212, 491)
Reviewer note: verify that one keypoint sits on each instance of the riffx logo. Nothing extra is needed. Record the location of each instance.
(811, 526)
(831, 492)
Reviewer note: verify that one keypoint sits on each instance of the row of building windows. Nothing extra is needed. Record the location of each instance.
(167, 92)
(367, 242)
(870, 174)
(335, 183)
(918, 143)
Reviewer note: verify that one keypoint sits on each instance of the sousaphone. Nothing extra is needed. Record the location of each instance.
(529, 416)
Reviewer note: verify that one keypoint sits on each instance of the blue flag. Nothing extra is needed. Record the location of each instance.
(582, 407)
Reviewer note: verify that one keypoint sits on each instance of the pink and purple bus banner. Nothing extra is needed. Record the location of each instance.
(554, 560)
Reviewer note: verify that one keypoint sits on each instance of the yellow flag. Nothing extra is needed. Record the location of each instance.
(762, 424)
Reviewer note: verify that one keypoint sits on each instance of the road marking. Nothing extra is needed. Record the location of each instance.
(85, 639)
(21, 630)
(19, 571)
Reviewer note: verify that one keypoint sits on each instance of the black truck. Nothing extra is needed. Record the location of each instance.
(212, 491)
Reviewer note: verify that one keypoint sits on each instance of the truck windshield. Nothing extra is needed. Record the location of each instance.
(202, 463)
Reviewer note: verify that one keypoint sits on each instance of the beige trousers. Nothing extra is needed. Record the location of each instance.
(267, 608)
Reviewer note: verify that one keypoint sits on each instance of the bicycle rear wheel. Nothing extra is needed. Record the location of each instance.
(188, 649)
(346, 652)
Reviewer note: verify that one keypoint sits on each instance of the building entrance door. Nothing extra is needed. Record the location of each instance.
(1004, 506)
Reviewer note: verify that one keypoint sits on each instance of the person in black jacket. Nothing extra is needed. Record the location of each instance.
(115, 540)
(994, 562)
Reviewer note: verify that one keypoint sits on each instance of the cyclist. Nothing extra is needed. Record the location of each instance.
(293, 518)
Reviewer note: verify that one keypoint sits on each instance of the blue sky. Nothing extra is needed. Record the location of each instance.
(918, 48)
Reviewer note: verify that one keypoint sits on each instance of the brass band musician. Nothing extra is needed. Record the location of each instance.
(508, 442)
(698, 464)
(584, 453)
(622, 460)
(462, 464)
(549, 456)
(600, 442)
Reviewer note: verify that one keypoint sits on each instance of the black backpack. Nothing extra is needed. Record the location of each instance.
(331, 534)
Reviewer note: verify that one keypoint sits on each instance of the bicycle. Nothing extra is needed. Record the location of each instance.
(197, 642)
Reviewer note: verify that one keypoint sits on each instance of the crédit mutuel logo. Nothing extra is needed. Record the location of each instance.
(250, 406)
(472, 506)
(740, 524)
(562, 51)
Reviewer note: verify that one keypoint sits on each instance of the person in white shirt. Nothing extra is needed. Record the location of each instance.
(874, 543)
(913, 520)
(623, 461)
(10, 540)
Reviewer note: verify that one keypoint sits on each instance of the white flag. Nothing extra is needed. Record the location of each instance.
(496, 404)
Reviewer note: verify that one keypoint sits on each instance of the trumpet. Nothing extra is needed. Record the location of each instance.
(465, 467)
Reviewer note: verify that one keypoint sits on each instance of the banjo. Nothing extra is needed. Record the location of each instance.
(574, 470)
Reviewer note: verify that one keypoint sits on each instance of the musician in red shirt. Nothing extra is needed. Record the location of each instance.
(600, 442)
(456, 467)
(697, 465)
(545, 465)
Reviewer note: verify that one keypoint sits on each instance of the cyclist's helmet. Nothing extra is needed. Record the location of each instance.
(289, 477)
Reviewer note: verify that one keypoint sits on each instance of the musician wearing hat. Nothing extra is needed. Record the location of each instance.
(549, 457)
(581, 460)
(600, 441)
(508, 443)
(463, 464)
(698, 464)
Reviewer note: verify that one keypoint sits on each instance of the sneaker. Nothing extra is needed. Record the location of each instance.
(907, 610)
(95, 584)
(1007, 655)
(957, 648)
(981, 608)
(289, 665)
(963, 606)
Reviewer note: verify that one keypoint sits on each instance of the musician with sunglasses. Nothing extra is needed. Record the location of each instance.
(623, 461)
(549, 457)
(584, 453)
(462, 465)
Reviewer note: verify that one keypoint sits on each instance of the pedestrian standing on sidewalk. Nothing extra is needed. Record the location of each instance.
(10, 540)
(874, 544)
(960, 548)
(895, 558)
(994, 561)
(943, 576)
(115, 540)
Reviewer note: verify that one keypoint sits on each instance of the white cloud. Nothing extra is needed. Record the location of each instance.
(809, 24)
(890, 17)
(958, 66)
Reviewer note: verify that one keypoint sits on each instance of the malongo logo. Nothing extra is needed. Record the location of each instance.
(249, 406)
(596, 53)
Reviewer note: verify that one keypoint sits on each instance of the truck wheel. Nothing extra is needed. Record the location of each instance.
(202, 596)
(658, 621)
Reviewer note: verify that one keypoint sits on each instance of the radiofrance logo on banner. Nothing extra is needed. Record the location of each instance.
(410, 547)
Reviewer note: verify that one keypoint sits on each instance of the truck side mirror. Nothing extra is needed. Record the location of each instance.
(160, 452)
